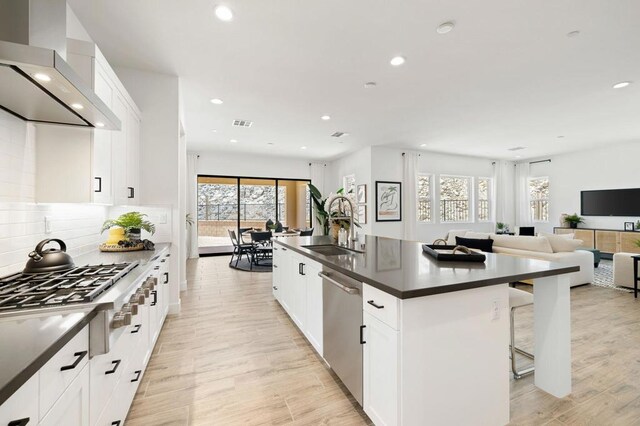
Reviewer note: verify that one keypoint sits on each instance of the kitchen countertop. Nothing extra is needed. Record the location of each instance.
(400, 267)
(27, 342)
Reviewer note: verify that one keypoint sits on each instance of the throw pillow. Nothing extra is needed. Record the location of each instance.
(561, 244)
(485, 245)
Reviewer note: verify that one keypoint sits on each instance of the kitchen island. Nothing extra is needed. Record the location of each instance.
(434, 334)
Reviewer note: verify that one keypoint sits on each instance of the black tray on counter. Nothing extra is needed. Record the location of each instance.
(434, 251)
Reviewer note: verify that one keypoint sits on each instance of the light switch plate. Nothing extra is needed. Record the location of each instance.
(47, 225)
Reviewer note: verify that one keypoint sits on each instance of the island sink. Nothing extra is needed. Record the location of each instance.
(330, 250)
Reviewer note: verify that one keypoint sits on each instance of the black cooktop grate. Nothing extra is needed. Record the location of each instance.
(78, 285)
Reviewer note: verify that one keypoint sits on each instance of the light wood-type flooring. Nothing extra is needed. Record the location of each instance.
(233, 357)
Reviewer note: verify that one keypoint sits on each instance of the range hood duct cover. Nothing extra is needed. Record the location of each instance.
(31, 45)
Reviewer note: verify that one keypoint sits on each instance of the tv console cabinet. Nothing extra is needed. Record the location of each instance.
(606, 240)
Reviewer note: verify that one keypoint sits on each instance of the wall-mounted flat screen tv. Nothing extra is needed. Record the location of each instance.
(610, 202)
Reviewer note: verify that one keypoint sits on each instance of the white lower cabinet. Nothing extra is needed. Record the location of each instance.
(22, 408)
(72, 408)
(381, 391)
(314, 329)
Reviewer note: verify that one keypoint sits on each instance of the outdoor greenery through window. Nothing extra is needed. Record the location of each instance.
(455, 192)
(539, 196)
(484, 200)
(425, 198)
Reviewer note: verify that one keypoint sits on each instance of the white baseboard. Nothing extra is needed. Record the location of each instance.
(174, 308)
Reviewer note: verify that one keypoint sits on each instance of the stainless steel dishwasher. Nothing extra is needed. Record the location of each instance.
(342, 320)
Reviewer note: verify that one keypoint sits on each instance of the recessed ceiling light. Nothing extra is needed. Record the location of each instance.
(77, 106)
(423, 145)
(233, 141)
(99, 124)
(269, 143)
(370, 84)
(621, 84)
(42, 77)
(518, 156)
(573, 34)
(303, 147)
(445, 27)
(216, 101)
(397, 61)
(214, 131)
(223, 13)
(325, 117)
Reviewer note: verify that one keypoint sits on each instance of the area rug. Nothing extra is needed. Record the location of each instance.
(603, 276)
(244, 265)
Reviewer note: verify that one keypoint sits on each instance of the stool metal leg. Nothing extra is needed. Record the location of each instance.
(517, 374)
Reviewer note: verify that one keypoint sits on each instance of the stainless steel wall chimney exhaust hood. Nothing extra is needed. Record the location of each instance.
(36, 84)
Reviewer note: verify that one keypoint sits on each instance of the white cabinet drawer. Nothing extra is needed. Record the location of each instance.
(72, 408)
(381, 305)
(58, 373)
(22, 407)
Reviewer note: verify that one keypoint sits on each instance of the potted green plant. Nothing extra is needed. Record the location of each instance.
(638, 225)
(131, 223)
(500, 227)
(573, 220)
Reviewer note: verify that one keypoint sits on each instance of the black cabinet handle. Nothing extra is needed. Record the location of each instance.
(154, 293)
(372, 303)
(275, 287)
(299, 268)
(166, 278)
(138, 372)
(302, 265)
(115, 363)
(20, 422)
(284, 249)
(132, 192)
(136, 328)
(362, 341)
(79, 356)
(275, 248)
(99, 179)
(116, 423)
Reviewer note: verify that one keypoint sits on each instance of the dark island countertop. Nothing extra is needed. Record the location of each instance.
(400, 267)
(27, 342)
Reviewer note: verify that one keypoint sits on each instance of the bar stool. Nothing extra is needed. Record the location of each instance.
(518, 299)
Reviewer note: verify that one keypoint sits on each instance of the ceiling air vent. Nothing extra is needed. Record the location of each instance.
(242, 123)
(517, 148)
(339, 134)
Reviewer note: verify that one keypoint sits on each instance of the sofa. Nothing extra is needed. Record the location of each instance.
(550, 247)
(623, 269)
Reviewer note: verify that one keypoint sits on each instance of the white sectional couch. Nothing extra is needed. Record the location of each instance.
(554, 248)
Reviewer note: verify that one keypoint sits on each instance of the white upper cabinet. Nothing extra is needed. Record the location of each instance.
(91, 165)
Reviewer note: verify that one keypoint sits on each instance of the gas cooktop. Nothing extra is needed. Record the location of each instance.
(78, 285)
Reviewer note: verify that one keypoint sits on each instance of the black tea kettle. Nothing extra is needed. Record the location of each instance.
(49, 260)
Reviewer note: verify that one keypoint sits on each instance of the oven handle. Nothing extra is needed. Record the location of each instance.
(350, 290)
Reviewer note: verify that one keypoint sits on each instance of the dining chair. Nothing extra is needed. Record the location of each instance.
(241, 232)
(262, 248)
(240, 248)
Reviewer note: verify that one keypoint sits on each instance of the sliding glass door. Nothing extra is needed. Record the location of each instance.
(235, 203)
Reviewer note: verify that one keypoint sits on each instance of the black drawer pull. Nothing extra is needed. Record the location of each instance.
(99, 179)
(20, 422)
(372, 303)
(166, 277)
(138, 373)
(116, 423)
(79, 356)
(275, 248)
(275, 287)
(275, 266)
(302, 265)
(362, 341)
(132, 192)
(155, 298)
(136, 328)
(115, 363)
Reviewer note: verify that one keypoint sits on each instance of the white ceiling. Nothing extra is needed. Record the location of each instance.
(506, 76)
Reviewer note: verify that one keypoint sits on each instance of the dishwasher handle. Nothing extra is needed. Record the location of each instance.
(350, 290)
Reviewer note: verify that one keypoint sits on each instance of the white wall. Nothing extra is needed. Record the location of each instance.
(157, 96)
(609, 167)
(256, 165)
(21, 220)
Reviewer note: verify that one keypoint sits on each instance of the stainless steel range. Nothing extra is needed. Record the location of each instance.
(59, 289)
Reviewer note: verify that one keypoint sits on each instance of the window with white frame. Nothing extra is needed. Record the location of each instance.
(455, 199)
(539, 198)
(425, 198)
(484, 195)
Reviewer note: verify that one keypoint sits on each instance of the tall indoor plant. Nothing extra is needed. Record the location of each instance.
(129, 226)
(323, 216)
